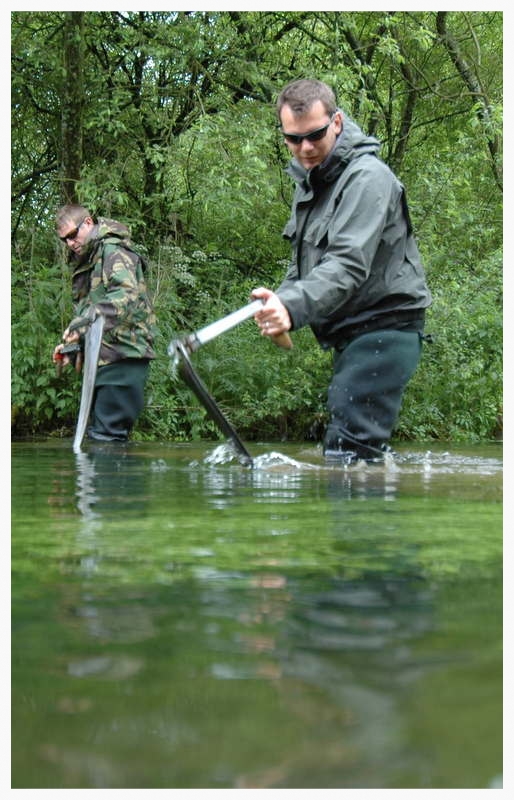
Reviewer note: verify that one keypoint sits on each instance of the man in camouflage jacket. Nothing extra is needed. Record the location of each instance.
(108, 277)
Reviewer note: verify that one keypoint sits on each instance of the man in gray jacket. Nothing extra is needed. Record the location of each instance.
(355, 276)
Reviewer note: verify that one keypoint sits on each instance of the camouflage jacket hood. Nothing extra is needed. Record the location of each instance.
(105, 231)
(109, 275)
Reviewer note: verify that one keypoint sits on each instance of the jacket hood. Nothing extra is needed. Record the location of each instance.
(105, 229)
(110, 227)
(349, 145)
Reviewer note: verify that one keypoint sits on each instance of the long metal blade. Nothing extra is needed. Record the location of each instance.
(92, 343)
(196, 385)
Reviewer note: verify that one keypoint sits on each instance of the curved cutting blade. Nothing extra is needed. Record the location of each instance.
(196, 385)
(92, 343)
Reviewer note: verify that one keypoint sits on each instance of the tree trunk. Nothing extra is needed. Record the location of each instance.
(72, 104)
(474, 86)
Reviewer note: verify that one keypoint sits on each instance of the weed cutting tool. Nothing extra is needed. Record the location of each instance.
(195, 340)
(92, 343)
(181, 349)
(196, 385)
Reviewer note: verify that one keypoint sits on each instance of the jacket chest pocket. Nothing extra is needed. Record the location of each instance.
(97, 289)
(316, 232)
(314, 242)
(308, 231)
(319, 218)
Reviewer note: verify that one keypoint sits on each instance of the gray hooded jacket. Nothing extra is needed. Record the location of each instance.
(355, 264)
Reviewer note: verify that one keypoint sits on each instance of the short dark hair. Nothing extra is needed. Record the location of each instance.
(300, 96)
(75, 213)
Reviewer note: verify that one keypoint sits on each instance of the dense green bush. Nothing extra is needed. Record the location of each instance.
(40, 399)
(456, 393)
(267, 393)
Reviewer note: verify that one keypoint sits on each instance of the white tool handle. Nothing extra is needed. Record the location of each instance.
(205, 335)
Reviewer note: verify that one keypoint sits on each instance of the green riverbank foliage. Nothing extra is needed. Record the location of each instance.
(165, 120)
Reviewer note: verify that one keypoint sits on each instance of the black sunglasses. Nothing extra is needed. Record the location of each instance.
(72, 234)
(313, 136)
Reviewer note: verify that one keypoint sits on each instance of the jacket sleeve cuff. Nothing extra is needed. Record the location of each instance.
(290, 299)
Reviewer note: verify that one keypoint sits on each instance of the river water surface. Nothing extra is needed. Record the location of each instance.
(182, 621)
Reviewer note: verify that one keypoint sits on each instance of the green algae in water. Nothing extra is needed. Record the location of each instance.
(180, 621)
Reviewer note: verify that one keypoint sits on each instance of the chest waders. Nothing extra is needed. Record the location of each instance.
(365, 394)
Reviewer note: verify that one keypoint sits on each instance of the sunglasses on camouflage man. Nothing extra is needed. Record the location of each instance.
(72, 234)
(313, 136)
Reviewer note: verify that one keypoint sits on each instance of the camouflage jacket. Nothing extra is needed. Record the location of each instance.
(109, 275)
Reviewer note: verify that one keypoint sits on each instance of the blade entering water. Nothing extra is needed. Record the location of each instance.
(187, 373)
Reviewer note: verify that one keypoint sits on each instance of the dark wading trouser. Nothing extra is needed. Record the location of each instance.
(118, 399)
(365, 395)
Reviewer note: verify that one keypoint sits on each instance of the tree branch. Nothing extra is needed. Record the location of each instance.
(472, 82)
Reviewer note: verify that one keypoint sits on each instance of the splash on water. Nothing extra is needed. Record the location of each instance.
(426, 462)
(390, 463)
(447, 462)
(224, 454)
(279, 462)
(275, 461)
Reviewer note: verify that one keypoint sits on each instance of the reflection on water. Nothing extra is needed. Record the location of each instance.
(119, 477)
(182, 621)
